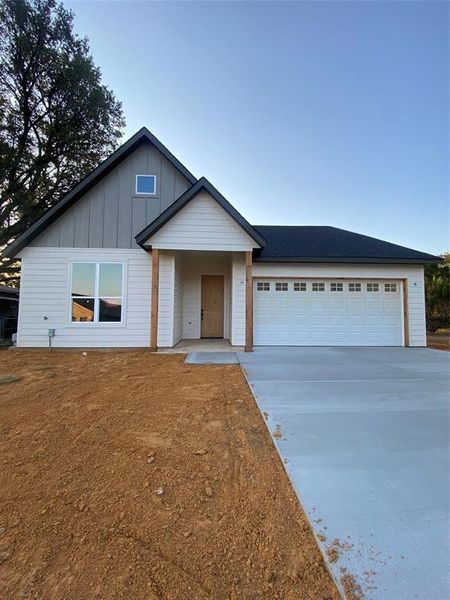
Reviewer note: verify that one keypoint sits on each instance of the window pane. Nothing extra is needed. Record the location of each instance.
(145, 184)
(110, 280)
(83, 310)
(110, 310)
(83, 279)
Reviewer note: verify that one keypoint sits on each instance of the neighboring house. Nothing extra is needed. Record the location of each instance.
(141, 253)
(9, 304)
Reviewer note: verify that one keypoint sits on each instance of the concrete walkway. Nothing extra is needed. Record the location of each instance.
(203, 345)
(364, 433)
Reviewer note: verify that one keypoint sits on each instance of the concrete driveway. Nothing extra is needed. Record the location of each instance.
(364, 434)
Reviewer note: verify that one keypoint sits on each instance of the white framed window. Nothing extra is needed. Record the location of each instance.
(96, 293)
(281, 286)
(263, 286)
(145, 185)
(300, 286)
(337, 287)
(318, 287)
(354, 287)
(373, 287)
(390, 287)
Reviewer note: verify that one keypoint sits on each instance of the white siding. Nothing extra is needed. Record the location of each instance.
(166, 299)
(194, 266)
(413, 274)
(46, 280)
(238, 300)
(202, 225)
(45, 291)
(178, 302)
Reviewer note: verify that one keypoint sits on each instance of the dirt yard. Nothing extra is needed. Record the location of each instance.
(132, 475)
(438, 341)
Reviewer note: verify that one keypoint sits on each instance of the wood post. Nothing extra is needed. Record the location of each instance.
(154, 301)
(405, 312)
(248, 302)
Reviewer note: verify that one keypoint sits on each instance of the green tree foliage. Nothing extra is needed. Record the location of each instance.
(437, 292)
(57, 120)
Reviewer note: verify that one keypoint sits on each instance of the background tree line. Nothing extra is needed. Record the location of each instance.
(437, 291)
(57, 120)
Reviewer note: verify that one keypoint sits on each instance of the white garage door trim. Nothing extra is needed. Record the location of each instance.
(306, 311)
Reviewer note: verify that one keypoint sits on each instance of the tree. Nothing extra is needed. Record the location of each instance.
(57, 120)
(437, 292)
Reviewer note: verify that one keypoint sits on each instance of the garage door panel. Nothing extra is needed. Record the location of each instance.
(348, 313)
(337, 339)
(374, 320)
(355, 320)
(318, 304)
(356, 304)
(355, 338)
(374, 304)
(336, 302)
(375, 337)
(390, 304)
(337, 319)
(390, 320)
(320, 320)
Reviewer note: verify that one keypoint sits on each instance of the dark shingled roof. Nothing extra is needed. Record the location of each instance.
(286, 243)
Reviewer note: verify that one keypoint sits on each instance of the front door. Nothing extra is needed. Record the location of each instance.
(212, 306)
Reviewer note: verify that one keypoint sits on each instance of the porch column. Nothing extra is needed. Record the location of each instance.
(154, 301)
(248, 302)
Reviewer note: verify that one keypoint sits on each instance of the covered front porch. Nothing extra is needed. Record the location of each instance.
(203, 297)
(201, 253)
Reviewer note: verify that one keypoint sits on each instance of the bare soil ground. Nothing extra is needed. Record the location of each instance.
(438, 341)
(132, 475)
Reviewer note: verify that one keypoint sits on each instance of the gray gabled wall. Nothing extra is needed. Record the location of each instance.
(110, 214)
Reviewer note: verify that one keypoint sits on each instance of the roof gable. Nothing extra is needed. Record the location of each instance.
(202, 185)
(143, 136)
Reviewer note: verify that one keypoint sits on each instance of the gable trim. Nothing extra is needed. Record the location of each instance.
(142, 136)
(202, 184)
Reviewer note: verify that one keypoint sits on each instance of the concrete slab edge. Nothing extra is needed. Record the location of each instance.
(322, 550)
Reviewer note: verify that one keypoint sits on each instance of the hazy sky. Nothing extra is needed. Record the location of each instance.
(308, 113)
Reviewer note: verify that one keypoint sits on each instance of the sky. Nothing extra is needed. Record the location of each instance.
(300, 113)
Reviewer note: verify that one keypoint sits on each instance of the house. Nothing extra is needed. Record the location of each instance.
(142, 254)
(9, 304)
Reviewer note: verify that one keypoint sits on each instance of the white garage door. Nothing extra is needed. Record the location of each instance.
(296, 312)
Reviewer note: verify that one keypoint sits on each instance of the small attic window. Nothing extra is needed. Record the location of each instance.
(146, 185)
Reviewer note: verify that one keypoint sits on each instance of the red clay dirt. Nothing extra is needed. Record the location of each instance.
(132, 475)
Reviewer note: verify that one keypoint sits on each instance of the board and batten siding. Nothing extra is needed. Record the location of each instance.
(202, 225)
(45, 292)
(110, 214)
(412, 273)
